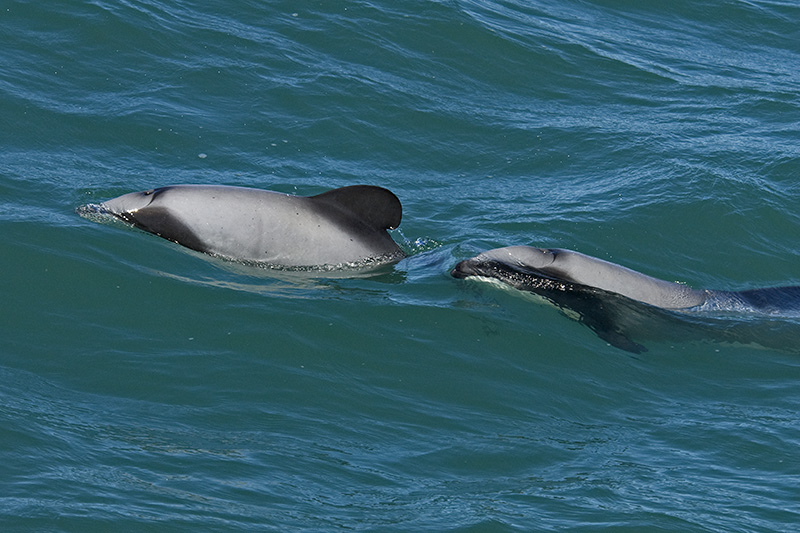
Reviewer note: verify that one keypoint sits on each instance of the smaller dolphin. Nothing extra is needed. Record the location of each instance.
(341, 227)
(587, 285)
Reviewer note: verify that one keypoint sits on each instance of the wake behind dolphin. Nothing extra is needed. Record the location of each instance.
(341, 227)
(588, 286)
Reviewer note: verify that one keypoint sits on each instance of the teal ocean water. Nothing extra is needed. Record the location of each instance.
(144, 387)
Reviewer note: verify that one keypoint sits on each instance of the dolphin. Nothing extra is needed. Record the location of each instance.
(593, 287)
(338, 228)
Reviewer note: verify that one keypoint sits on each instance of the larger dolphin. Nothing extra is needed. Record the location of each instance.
(340, 227)
(587, 285)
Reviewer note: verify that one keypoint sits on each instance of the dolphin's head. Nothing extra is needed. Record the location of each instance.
(522, 267)
(151, 211)
(493, 263)
(126, 204)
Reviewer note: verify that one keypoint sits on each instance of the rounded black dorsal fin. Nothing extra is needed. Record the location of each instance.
(375, 206)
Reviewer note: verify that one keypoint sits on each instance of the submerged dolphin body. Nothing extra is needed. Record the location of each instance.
(593, 287)
(340, 227)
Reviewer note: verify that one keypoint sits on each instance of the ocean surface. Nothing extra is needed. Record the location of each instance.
(145, 387)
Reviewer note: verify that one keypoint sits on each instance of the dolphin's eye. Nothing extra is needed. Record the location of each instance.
(148, 193)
